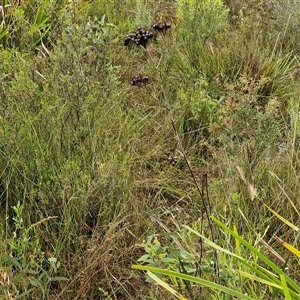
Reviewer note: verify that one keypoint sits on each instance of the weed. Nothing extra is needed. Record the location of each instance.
(25, 268)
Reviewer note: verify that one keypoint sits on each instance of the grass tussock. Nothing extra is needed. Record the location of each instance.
(194, 171)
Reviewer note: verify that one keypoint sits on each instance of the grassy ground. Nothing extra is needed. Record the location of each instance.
(92, 166)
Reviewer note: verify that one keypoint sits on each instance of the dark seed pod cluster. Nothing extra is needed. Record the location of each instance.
(161, 27)
(139, 80)
(173, 160)
(140, 37)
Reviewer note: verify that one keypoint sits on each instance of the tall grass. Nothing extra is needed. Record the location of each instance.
(92, 165)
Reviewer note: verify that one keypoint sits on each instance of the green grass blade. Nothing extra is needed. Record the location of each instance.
(258, 254)
(165, 285)
(259, 279)
(262, 272)
(254, 267)
(292, 249)
(286, 291)
(291, 225)
(197, 280)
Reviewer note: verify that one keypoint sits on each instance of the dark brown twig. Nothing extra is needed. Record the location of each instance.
(203, 193)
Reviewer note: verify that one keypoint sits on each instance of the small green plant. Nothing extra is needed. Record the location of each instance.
(202, 109)
(24, 24)
(25, 271)
(200, 22)
(157, 255)
(97, 31)
(255, 267)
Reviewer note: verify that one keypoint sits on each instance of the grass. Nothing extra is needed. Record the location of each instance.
(93, 166)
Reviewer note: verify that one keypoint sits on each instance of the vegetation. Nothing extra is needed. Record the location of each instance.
(178, 156)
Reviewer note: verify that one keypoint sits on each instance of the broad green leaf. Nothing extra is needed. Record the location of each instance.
(59, 279)
(37, 283)
(22, 296)
(29, 271)
(8, 258)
